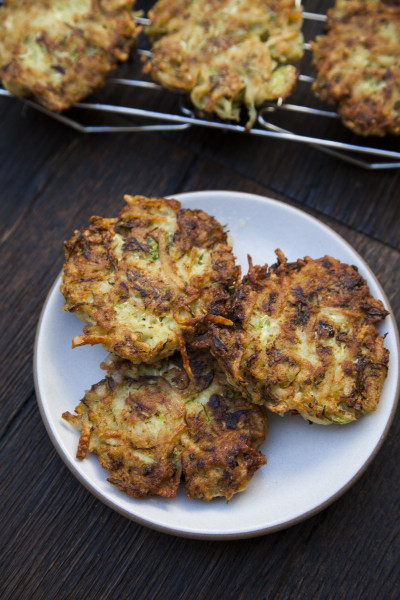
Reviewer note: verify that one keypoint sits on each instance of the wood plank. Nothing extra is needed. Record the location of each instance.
(26, 144)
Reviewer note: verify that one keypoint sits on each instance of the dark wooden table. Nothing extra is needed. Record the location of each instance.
(59, 541)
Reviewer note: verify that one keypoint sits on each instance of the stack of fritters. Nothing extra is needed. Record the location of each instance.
(58, 51)
(305, 340)
(297, 337)
(146, 283)
(226, 53)
(358, 65)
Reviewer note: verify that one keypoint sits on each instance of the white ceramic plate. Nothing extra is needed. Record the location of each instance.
(308, 466)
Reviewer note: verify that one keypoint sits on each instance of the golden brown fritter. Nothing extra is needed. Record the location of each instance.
(347, 7)
(146, 280)
(151, 425)
(305, 340)
(58, 51)
(358, 65)
(226, 53)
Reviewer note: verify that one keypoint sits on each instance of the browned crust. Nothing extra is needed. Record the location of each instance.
(75, 56)
(226, 54)
(132, 262)
(152, 426)
(324, 357)
(358, 66)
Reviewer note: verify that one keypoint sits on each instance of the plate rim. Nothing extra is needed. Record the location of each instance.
(246, 533)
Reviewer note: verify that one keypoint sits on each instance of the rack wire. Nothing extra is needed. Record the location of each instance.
(369, 157)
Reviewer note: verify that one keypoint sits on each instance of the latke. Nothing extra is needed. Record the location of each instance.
(305, 340)
(58, 52)
(150, 426)
(144, 282)
(358, 65)
(226, 53)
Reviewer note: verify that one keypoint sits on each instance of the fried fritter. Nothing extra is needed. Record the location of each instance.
(145, 281)
(347, 7)
(305, 340)
(358, 65)
(57, 51)
(151, 425)
(226, 53)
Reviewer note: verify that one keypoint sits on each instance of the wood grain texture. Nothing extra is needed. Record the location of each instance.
(57, 541)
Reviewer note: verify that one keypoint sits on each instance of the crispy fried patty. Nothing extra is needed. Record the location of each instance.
(347, 7)
(146, 280)
(305, 340)
(151, 426)
(226, 53)
(358, 65)
(58, 51)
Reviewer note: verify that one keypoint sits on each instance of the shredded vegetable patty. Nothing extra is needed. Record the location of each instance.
(144, 282)
(358, 65)
(59, 51)
(305, 340)
(226, 53)
(152, 426)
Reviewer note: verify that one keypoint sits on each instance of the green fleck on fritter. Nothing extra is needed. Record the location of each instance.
(153, 245)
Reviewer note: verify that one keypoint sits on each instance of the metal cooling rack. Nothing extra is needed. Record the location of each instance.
(185, 117)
